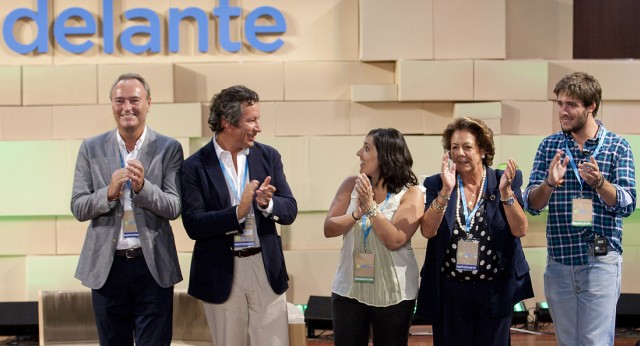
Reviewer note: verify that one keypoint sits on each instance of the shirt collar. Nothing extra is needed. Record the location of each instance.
(220, 151)
(139, 142)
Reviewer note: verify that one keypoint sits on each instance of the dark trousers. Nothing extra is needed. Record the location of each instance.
(132, 304)
(466, 316)
(353, 320)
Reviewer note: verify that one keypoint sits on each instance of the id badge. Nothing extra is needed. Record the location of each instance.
(247, 238)
(129, 224)
(467, 254)
(364, 267)
(581, 212)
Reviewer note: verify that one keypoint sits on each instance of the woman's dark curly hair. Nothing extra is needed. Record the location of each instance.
(227, 105)
(394, 159)
(480, 130)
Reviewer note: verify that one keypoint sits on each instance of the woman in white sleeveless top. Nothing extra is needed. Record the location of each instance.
(376, 212)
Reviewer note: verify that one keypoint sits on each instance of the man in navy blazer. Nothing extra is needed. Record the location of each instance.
(126, 182)
(234, 191)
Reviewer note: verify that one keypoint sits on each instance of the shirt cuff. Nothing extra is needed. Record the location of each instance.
(268, 210)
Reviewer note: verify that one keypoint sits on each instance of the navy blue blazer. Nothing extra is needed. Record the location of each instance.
(210, 219)
(513, 282)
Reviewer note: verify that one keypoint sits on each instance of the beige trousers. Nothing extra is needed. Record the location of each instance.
(253, 315)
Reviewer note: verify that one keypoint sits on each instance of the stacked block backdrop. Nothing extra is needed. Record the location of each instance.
(346, 66)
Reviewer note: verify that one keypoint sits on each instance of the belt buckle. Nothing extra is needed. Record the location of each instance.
(130, 253)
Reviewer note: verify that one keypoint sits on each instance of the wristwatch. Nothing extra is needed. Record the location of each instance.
(509, 201)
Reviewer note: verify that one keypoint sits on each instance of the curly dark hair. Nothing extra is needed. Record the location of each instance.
(227, 105)
(394, 159)
(480, 130)
(582, 86)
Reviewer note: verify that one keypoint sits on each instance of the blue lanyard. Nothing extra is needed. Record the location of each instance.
(467, 215)
(230, 181)
(602, 132)
(122, 166)
(367, 230)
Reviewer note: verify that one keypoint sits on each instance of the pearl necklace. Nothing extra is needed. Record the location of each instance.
(461, 202)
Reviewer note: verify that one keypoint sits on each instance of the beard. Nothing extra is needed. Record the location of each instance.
(579, 125)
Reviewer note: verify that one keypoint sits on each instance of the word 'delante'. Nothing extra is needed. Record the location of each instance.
(61, 32)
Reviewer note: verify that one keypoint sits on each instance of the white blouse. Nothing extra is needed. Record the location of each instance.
(396, 272)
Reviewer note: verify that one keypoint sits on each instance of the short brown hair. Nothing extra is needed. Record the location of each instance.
(582, 86)
(478, 128)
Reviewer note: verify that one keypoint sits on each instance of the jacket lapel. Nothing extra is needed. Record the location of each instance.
(256, 173)
(492, 195)
(213, 171)
(148, 149)
(450, 213)
(112, 152)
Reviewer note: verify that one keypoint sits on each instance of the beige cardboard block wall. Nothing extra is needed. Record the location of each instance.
(331, 160)
(176, 119)
(70, 234)
(331, 81)
(11, 87)
(467, 29)
(159, 77)
(478, 110)
(27, 235)
(619, 79)
(295, 162)
(80, 122)
(13, 270)
(385, 27)
(522, 149)
(312, 118)
(199, 82)
(434, 80)
(521, 80)
(26, 123)
(307, 233)
(374, 93)
(406, 117)
(620, 117)
(439, 115)
(59, 85)
(316, 30)
(527, 117)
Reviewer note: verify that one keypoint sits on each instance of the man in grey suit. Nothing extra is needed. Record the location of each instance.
(127, 183)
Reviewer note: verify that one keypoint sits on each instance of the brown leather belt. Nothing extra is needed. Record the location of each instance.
(129, 253)
(248, 252)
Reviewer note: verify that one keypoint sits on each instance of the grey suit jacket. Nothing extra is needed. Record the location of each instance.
(156, 204)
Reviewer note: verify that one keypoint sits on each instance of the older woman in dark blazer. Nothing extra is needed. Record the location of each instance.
(474, 270)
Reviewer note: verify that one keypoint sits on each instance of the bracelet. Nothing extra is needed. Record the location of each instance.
(373, 210)
(437, 207)
(600, 182)
(440, 205)
(511, 195)
(354, 216)
(113, 199)
(443, 197)
(546, 181)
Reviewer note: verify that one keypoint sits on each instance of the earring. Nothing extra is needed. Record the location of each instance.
(483, 156)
